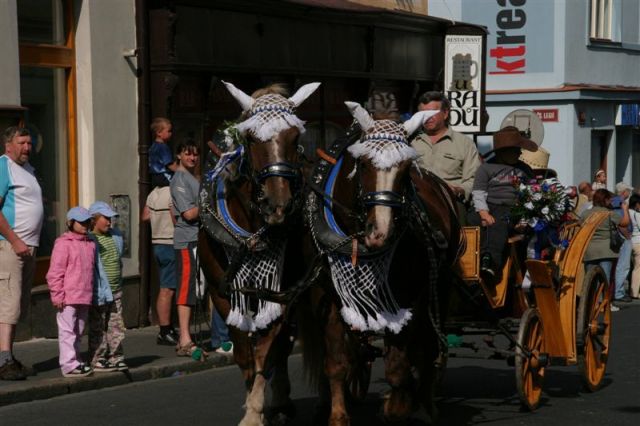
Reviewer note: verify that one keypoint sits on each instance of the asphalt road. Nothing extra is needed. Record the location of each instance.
(475, 391)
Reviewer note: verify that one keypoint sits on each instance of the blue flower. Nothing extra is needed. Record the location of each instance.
(564, 243)
(545, 187)
(540, 225)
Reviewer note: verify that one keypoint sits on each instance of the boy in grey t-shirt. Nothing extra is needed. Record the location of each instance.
(184, 195)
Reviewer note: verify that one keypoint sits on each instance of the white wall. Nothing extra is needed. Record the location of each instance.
(9, 65)
(107, 108)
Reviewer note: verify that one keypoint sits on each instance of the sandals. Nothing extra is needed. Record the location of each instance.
(191, 350)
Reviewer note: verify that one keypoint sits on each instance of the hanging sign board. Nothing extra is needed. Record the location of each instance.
(464, 78)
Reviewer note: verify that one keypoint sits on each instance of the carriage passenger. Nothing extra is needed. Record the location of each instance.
(494, 194)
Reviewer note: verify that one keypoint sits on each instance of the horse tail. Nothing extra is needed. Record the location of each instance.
(311, 324)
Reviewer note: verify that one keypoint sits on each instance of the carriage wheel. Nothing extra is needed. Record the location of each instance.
(530, 359)
(594, 328)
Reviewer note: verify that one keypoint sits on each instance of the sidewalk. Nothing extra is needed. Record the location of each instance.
(145, 358)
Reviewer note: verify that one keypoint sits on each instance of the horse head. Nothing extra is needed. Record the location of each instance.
(383, 159)
(272, 129)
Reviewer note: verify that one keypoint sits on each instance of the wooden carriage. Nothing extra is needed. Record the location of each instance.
(564, 315)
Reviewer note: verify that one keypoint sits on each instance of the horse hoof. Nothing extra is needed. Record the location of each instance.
(279, 419)
(397, 407)
(340, 421)
(280, 416)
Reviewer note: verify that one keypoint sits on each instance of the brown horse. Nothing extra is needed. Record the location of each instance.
(390, 233)
(251, 213)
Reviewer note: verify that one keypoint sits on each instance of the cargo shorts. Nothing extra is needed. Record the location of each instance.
(16, 277)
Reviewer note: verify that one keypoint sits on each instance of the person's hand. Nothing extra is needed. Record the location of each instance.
(20, 248)
(59, 305)
(487, 218)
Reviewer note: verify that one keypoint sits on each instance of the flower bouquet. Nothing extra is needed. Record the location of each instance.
(542, 206)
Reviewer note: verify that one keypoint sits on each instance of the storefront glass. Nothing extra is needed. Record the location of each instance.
(41, 21)
(43, 93)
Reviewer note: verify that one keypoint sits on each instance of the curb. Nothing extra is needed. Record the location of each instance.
(49, 388)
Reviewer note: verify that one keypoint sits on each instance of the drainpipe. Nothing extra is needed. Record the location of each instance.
(144, 185)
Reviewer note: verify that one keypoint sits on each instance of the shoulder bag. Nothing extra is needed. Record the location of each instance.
(615, 237)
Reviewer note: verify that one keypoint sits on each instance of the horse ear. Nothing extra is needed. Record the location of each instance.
(361, 115)
(303, 93)
(417, 120)
(245, 101)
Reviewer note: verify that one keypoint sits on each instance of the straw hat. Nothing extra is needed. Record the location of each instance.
(510, 137)
(539, 162)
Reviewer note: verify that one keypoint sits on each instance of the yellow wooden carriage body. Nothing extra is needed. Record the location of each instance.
(557, 285)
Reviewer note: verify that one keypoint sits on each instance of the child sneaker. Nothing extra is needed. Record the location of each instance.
(169, 339)
(120, 366)
(104, 366)
(80, 371)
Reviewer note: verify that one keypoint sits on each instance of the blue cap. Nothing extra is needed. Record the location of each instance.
(79, 214)
(102, 208)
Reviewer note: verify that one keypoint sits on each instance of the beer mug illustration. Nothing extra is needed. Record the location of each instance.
(461, 74)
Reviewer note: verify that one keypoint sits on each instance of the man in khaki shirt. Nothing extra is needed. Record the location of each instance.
(450, 155)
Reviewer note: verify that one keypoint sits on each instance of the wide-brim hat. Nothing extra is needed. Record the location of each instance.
(539, 162)
(510, 137)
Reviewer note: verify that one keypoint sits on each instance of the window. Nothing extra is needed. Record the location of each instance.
(605, 20)
(47, 92)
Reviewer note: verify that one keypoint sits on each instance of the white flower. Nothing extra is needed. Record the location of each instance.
(532, 222)
(528, 205)
(537, 196)
(523, 187)
(545, 210)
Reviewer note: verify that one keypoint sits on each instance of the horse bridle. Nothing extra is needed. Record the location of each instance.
(285, 169)
(378, 198)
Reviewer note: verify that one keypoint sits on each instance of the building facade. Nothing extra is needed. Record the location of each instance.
(66, 76)
(573, 62)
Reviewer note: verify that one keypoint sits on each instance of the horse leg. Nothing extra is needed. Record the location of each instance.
(336, 365)
(282, 409)
(254, 404)
(398, 404)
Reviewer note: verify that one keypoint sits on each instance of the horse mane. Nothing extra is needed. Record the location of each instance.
(272, 89)
(386, 115)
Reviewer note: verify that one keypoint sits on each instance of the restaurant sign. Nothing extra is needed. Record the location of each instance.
(464, 80)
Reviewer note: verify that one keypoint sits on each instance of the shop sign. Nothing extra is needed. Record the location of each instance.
(547, 114)
(463, 80)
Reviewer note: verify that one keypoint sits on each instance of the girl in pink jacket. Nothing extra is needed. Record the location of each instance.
(70, 280)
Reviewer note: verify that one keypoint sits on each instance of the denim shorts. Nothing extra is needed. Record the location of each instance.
(166, 257)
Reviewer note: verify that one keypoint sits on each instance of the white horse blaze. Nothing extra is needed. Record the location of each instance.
(383, 214)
